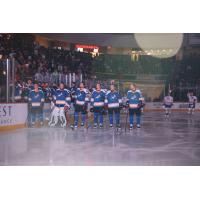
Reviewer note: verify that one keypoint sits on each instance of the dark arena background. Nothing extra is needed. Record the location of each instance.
(165, 71)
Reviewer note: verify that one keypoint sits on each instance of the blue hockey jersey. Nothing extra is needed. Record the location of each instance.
(97, 98)
(62, 98)
(26, 91)
(113, 99)
(47, 93)
(18, 92)
(31, 87)
(73, 90)
(134, 99)
(73, 93)
(53, 90)
(36, 98)
(81, 97)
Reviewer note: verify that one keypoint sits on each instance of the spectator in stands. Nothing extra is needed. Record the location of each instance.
(38, 76)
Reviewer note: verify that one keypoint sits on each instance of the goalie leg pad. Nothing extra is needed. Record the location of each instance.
(62, 117)
(54, 117)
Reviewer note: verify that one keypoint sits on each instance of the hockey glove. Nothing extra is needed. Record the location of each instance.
(91, 109)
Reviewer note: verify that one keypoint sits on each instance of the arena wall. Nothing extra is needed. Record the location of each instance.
(12, 115)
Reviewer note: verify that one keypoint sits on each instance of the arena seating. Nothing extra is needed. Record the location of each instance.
(31, 58)
(48, 64)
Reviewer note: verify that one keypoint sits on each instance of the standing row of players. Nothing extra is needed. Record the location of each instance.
(98, 102)
(23, 89)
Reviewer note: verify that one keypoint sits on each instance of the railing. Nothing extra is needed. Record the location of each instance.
(180, 93)
(67, 79)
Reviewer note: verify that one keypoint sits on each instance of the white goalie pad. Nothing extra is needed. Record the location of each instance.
(58, 113)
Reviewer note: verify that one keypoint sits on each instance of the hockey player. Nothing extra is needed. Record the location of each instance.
(73, 92)
(47, 92)
(80, 104)
(25, 92)
(26, 89)
(47, 98)
(192, 102)
(53, 89)
(18, 92)
(167, 104)
(134, 104)
(97, 105)
(142, 100)
(30, 84)
(60, 104)
(36, 102)
(113, 102)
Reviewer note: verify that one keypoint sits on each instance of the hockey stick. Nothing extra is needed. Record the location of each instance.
(88, 123)
(126, 120)
(67, 116)
(29, 117)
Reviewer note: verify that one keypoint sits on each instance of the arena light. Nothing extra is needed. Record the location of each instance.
(159, 41)
(80, 49)
(86, 46)
(96, 50)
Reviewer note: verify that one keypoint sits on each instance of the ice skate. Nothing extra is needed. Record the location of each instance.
(138, 125)
(63, 125)
(100, 126)
(95, 126)
(118, 129)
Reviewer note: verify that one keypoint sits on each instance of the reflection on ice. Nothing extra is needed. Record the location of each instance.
(159, 142)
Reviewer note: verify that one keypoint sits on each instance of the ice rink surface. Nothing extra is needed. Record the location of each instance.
(159, 142)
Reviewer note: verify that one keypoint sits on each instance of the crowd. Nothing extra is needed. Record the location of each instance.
(40, 63)
(186, 77)
(50, 66)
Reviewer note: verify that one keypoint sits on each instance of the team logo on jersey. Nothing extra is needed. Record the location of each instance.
(79, 95)
(113, 97)
(133, 97)
(36, 96)
(98, 96)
